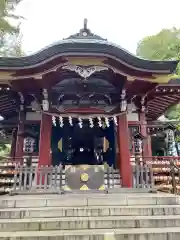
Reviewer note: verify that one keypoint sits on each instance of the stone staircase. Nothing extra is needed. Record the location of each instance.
(90, 216)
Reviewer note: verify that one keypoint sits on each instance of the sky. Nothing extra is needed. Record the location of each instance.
(123, 22)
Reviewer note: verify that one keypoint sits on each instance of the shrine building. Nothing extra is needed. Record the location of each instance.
(83, 100)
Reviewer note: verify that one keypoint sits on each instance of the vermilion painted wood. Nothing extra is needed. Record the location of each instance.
(45, 140)
(124, 154)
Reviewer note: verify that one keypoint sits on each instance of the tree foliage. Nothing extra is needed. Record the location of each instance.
(173, 113)
(6, 14)
(160, 46)
(10, 39)
(163, 46)
(4, 149)
(10, 45)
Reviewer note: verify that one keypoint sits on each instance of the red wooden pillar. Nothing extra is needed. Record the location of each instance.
(45, 140)
(20, 138)
(13, 143)
(124, 154)
(146, 147)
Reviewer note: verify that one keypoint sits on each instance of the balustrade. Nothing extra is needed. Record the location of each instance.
(160, 173)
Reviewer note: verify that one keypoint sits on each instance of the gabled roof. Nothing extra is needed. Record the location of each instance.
(85, 43)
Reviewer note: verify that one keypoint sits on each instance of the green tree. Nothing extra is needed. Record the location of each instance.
(163, 46)
(7, 8)
(173, 113)
(4, 149)
(10, 40)
(11, 45)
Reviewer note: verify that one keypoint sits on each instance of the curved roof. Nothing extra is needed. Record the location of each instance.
(85, 43)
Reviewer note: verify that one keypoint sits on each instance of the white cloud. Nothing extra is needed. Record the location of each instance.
(124, 22)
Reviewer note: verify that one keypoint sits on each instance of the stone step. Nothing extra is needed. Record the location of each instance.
(89, 199)
(73, 223)
(97, 234)
(95, 211)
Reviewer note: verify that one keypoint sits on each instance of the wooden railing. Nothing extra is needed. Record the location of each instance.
(55, 179)
(165, 173)
(7, 171)
(38, 179)
(175, 176)
(143, 176)
(161, 173)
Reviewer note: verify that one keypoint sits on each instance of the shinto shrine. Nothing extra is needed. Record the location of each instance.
(84, 101)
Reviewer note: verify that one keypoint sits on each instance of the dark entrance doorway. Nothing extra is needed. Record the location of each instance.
(83, 145)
